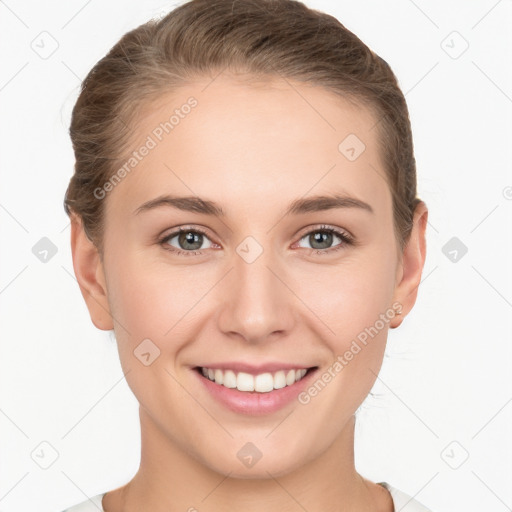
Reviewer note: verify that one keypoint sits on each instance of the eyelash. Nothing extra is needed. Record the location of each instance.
(346, 240)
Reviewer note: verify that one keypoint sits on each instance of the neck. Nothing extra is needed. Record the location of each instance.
(171, 480)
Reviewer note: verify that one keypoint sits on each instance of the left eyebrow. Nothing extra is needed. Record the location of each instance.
(320, 203)
(298, 207)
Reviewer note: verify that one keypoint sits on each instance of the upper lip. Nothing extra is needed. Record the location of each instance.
(271, 367)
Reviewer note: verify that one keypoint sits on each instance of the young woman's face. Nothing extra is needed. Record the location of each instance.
(250, 286)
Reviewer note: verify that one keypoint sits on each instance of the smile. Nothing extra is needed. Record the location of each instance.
(260, 383)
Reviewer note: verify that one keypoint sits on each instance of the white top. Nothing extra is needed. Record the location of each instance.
(402, 502)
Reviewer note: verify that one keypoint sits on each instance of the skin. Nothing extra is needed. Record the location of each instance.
(251, 148)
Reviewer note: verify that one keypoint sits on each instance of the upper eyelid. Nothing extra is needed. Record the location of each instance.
(323, 227)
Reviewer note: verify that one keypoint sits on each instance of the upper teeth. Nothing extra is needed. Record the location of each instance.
(262, 383)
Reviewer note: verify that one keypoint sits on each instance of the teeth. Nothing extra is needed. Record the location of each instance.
(244, 382)
(229, 379)
(279, 380)
(261, 383)
(218, 376)
(264, 382)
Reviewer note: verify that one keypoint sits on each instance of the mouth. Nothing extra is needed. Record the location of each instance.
(263, 382)
(247, 389)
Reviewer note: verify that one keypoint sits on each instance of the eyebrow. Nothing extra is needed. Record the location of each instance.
(299, 206)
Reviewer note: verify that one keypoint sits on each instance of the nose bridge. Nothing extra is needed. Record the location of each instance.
(255, 303)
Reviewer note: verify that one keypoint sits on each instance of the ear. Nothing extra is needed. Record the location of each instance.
(411, 265)
(89, 273)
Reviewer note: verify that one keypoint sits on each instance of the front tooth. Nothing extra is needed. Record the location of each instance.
(229, 379)
(245, 382)
(279, 380)
(264, 382)
(290, 377)
(218, 376)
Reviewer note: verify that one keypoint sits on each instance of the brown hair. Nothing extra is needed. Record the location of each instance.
(262, 38)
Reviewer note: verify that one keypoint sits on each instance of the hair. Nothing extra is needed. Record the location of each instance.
(263, 39)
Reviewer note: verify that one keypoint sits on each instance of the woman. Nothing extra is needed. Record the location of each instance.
(244, 216)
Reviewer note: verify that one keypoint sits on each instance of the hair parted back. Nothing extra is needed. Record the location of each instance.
(260, 38)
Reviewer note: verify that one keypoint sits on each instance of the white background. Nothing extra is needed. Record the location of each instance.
(445, 389)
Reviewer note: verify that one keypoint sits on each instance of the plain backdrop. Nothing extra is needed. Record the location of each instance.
(438, 423)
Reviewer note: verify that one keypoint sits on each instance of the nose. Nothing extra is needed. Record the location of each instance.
(256, 303)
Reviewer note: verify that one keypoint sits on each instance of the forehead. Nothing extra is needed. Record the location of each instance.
(232, 137)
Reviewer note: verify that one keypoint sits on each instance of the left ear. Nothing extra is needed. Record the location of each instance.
(411, 266)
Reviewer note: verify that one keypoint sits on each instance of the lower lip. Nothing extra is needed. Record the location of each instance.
(252, 402)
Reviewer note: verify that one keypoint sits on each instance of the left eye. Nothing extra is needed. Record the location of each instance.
(324, 236)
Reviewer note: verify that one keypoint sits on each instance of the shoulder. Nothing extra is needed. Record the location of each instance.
(403, 502)
(91, 505)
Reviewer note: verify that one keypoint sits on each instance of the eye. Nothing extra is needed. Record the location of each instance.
(322, 237)
(189, 241)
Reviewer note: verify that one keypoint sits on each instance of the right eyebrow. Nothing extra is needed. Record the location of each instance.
(185, 203)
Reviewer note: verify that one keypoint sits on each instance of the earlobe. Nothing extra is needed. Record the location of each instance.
(90, 276)
(413, 260)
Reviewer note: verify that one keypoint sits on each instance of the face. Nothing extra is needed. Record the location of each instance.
(251, 285)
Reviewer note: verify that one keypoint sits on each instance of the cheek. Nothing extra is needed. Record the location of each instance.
(141, 304)
(151, 326)
(148, 297)
(352, 295)
(159, 301)
(355, 304)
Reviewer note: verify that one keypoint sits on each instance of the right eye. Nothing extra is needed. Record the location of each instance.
(189, 241)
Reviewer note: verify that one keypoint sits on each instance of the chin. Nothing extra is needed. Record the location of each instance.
(264, 467)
